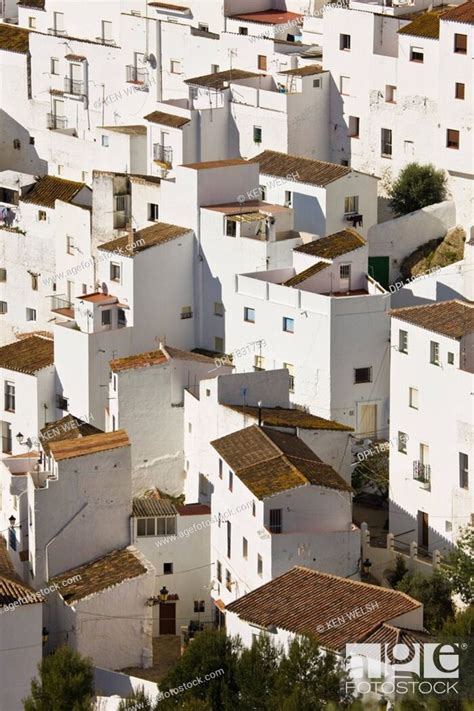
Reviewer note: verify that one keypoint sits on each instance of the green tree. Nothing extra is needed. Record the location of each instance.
(434, 591)
(138, 701)
(309, 679)
(372, 471)
(400, 571)
(257, 673)
(66, 681)
(417, 186)
(209, 651)
(459, 568)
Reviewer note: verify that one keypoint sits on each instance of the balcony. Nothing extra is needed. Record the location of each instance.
(163, 154)
(106, 40)
(56, 31)
(62, 306)
(354, 217)
(422, 473)
(136, 75)
(73, 86)
(55, 122)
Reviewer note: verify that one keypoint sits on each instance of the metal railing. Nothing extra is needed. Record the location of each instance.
(137, 75)
(55, 122)
(163, 153)
(73, 86)
(60, 302)
(421, 472)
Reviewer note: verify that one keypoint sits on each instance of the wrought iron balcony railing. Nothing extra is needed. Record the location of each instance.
(164, 154)
(422, 472)
(73, 86)
(55, 122)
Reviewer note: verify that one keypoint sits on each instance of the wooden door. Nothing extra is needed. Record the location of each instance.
(423, 529)
(167, 618)
(367, 420)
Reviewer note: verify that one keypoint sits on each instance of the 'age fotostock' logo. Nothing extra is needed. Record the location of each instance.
(401, 668)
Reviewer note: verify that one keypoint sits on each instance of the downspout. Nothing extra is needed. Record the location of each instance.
(51, 540)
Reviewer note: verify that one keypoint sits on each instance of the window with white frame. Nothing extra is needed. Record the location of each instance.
(106, 29)
(69, 244)
(153, 212)
(175, 66)
(54, 66)
(249, 314)
(413, 398)
(291, 371)
(259, 363)
(257, 134)
(354, 126)
(9, 403)
(345, 43)
(115, 272)
(3, 307)
(434, 353)
(288, 324)
(186, 312)
(106, 317)
(386, 142)
(344, 85)
(417, 54)
(390, 94)
(351, 205)
(31, 314)
(402, 442)
(104, 139)
(402, 341)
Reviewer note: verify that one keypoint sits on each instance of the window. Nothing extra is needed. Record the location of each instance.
(275, 521)
(9, 396)
(354, 125)
(259, 363)
(386, 142)
(60, 169)
(231, 481)
(262, 62)
(459, 92)
(390, 94)
(345, 271)
(245, 548)
(31, 314)
(288, 324)
(229, 538)
(3, 307)
(146, 527)
(167, 568)
(115, 272)
(362, 375)
(219, 571)
(34, 281)
(417, 54)
(434, 353)
(58, 21)
(288, 198)
(153, 212)
(16, 144)
(186, 312)
(220, 468)
(230, 228)
(3, 275)
(214, 68)
(121, 318)
(450, 358)
(190, 427)
(69, 244)
(166, 526)
(317, 83)
(7, 439)
(344, 85)
(463, 471)
(413, 398)
(448, 526)
(32, 141)
(257, 134)
(106, 30)
(291, 370)
(62, 403)
(344, 162)
(106, 317)
(228, 580)
(254, 508)
(351, 205)
(243, 31)
(460, 44)
(32, 23)
(259, 564)
(402, 341)
(452, 138)
(402, 442)
(263, 192)
(104, 140)
(218, 344)
(249, 314)
(175, 66)
(208, 392)
(345, 43)
(42, 216)
(199, 606)
(54, 65)
(83, 176)
(204, 28)
(218, 308)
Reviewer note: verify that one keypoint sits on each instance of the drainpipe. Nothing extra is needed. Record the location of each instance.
(51, 540)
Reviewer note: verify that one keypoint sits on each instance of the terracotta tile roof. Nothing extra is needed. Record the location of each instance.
(156, 234)
(166, 119)
(158, 357)
(453, 319)
(188, 355)
(461, 13)
(92, 444)
(305, 601)
(34, 4)
(209, 165)
(218, 80)
(97, 297)
(390, 635)
(135, 130)
(313, 172)
(144, 506)
(306, 274)
(50, 188)
(426, 25)
(268, 17)
(268, 461)
(168, 6)
(12, 587)
(306, 71)
(285, 417)
(28, 355)
(194, 510)
(14, 39)
(75, 57)
(68, 427)
(99, 575)
(333, 245)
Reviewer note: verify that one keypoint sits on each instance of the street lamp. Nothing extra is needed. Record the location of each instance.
(366, 566)
(19, 438)
(164, 592)
(12, 520)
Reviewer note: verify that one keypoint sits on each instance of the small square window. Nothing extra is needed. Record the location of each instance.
(460, 91)
(262, 62)
(354, 126)
(107, 317)
(199, 606)
(452, 138)
(54, 65)
(203, 27)
(243, 31)
(3, 307)
(362, 375)
(288, 324)
(230, 228)
(351, 205)
(451, 358)
(153, 212)
(167, 568)
(402, 442)
(121, 317)
(42, 217)
(344, 85)
(460, 44)
(186, 312)
(208, 392)
(214, 68)
(31, 314)
(390, 94)
(417, 54)
(104, 140)
(32, 23)
(434, 353)
(259, 363)
(345, 43)
(218, 308)
(402, 341)
(317, 83)
(175, 66)
(115, 272)
(218, 344)
(249, 314)
(257, 134)
(413, 398)
(62, 403)
(3, 275)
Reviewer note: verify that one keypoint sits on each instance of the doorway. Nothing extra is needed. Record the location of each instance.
(167, 618)
(367, 420)
(423, 529)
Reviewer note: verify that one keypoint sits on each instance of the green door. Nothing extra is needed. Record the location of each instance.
(379, 270)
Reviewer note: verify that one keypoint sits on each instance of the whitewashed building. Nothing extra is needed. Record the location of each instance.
(431, 416)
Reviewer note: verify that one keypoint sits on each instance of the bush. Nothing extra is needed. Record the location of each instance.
(434, 591)
(417, 186)
(66, 682)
